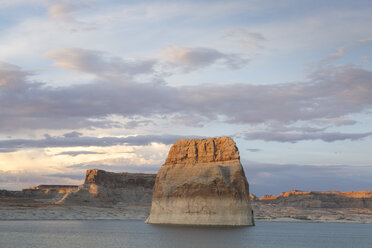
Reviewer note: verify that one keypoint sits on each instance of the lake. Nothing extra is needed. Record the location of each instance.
(134, 233)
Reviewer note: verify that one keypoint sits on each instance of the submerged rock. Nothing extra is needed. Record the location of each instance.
(202, 182)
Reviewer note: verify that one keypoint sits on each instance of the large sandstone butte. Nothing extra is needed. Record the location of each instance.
(202, 182)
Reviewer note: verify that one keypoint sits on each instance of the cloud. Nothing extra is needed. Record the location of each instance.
(196, 58)
(135, 158)
(253, 150)
(342, 122)
(189, 120)
(76, 153)
(275, 126)
(17, 180)
(340, 53)
(365, 40)
(328, 94)
(74, 176)
(295, 137)
(133, 124)
(11, 76)
(244, 38)
(64, 12)
(6, 150)
(86, 141)
(146, 168)
(72, 135)
(97, 63)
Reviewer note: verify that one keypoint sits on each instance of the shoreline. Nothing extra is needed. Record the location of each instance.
(130, 219)
(141, 212)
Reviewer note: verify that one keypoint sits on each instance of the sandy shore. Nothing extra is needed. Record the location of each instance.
(139, 212)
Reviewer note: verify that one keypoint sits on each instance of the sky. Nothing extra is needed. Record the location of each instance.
(112, 84)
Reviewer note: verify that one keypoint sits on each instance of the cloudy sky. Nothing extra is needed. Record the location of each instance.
(112, 84)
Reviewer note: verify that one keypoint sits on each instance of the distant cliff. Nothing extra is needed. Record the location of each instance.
(321, 199)
(119, 180)
(45, 193)
(49, 189)
(107, 188)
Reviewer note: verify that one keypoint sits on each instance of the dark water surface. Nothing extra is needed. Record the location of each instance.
(132, 233)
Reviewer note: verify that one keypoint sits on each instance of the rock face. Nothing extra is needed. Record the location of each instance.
(320, 199)
(202, 182)
(108, 188)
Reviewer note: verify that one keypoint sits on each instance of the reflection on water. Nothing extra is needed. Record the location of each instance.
(132, 233)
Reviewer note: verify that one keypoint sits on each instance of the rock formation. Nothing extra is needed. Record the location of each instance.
(202, 182)
(107, 188)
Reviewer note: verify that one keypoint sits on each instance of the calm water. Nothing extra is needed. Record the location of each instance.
(130, 233)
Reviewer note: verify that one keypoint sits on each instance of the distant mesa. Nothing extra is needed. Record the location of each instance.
(52, 187)
(269, 197)
(202, 182)
(43, 192)
(320, 199)
(109, 188)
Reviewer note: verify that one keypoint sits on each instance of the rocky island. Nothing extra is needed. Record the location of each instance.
(202, 182)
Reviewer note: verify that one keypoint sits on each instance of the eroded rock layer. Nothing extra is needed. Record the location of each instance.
(202, 182)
